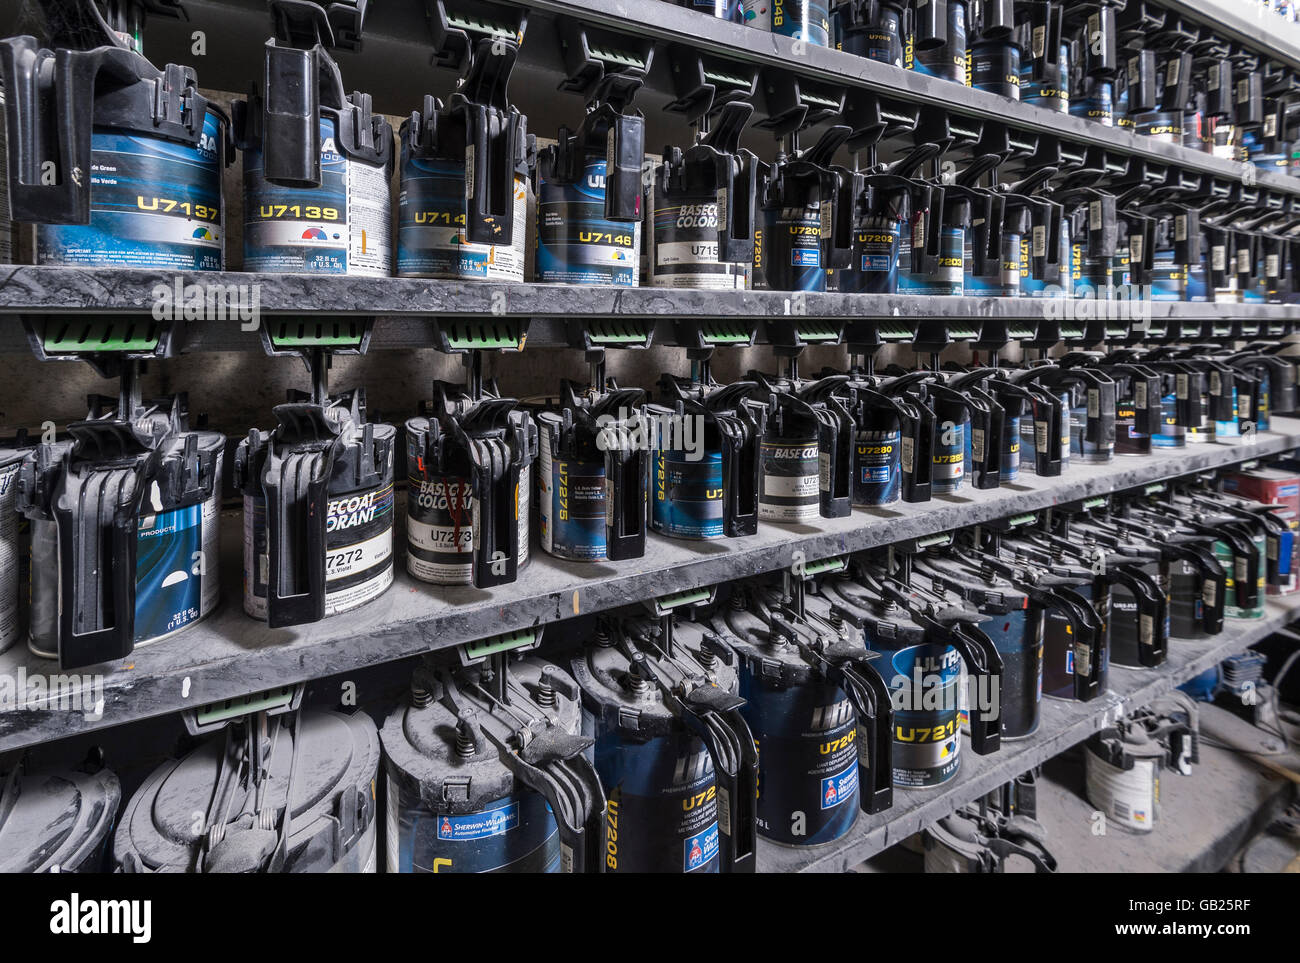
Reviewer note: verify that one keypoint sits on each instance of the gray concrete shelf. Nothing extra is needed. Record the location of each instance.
(405, 306)
(230, 654)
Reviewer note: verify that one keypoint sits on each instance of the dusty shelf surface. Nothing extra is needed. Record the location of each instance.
(230, 654)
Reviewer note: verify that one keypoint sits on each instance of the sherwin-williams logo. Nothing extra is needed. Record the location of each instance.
(7, 480)
(103, 917)
(700, 849)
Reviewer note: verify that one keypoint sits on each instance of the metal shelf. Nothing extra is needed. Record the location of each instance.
(230, 654)
(405, 304)
(1247, 23)
(739, 42)
(1063, 725)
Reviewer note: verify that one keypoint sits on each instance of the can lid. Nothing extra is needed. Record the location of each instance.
(163, 827)
(443, 746)
(55, 820)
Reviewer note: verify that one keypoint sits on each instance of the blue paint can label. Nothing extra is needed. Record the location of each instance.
(687, 495)
(340, 227)
(1011, 450)
(948, 61)
(431, 240)
(950, 454)
(787, 253)
(874, 269)
(662, 802)
(154, 203)
(877, 467)
(176, 581)
(806, 736)
(807, 20)
(572, 500)
(948, 279)
(516, 833)
(575, 244)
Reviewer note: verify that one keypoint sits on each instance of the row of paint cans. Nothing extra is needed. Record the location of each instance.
(921, 663)
(270, 787)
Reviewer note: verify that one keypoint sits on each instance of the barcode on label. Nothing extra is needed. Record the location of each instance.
(1140, 394)
(977, 444)
(1180, 227)
(1040, 241)
(905, 455)
(1147, 629)
(1180, 387)
(724, 811)
(1094, 403)
(1219, 257)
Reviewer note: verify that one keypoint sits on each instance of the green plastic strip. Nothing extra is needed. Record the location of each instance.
(1018, 520)
(678, 599)
(812, 333)
(731, 80)
(837, 564)
(820, 100)
(524, 638)
(325, 333)
(218, 712)
(929, 540)
(962, 334)
(1097, 502)
(1153, 489)
(892, 333)
(624, 57)
(1018, 334)
(478, 25)
(100, 334)
(480, 335)
(618, 332)
(725, 332)
(1071, 332)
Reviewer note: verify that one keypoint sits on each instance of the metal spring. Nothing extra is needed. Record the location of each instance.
(420, 696)
(464, 742)
(545, 696)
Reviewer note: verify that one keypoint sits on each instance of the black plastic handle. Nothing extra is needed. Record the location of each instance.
(714, 716)
(741, 470)
(626, 470)
(1152, 611)
(869, 696)
(494, 480)
(95, 510)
